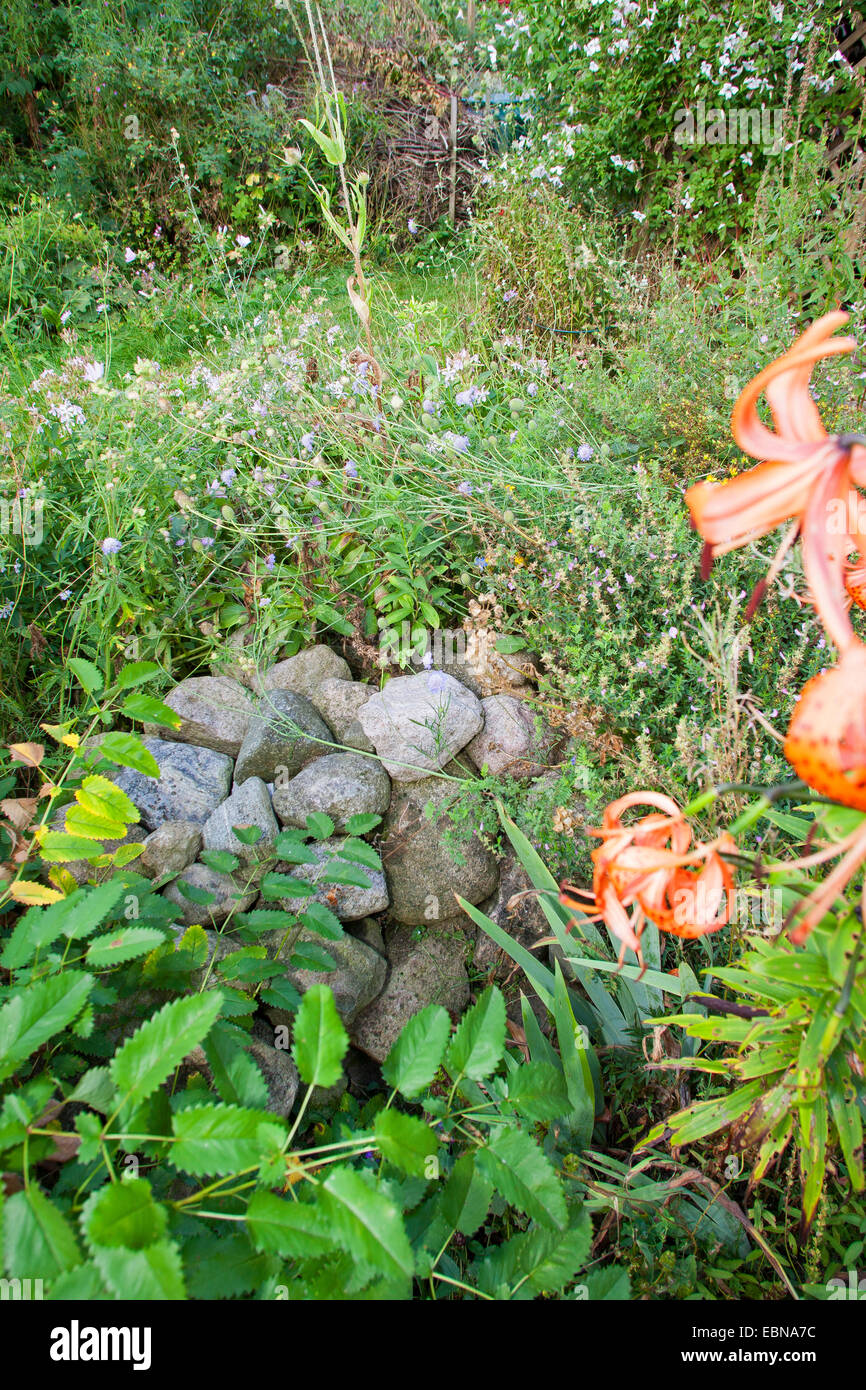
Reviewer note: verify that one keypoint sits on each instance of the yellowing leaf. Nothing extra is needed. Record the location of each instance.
(58, 731)
(100, 797)
(34, 894)
(31, 754)
(62, 879)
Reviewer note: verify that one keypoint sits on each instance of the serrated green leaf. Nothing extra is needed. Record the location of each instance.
(405, 1141)
(87, 675)
(127, 750)
(218, 1139)
(320, 1041)
(521, 1173)
(466, 1196)
(146, 1059)
(154, 1274)
(123, 1214)
(417, 1054)
(38, 1241)
(478, 1045)
(126, 944)
(366, 1224)
(296, 1230)
(146, 708)
(33, 1016)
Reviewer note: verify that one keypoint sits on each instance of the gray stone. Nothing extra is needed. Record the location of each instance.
(369, 930)
(340, 785)
(276, 1066)
(215, 712)
(192, 783)
(170, 848)
(355, 983)
(231, 896)
(430, 858)
(347, 901)
(514, 738)
(248, 805)
(286, 733)
(305, 672)
(417, 723)
(339, 703)
(452, 654)
(428, 971)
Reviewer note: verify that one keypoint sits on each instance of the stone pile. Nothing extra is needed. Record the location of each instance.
(303, 737)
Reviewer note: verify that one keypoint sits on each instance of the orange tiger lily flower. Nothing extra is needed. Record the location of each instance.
(826, 742)
(805, 474)
(648, 871)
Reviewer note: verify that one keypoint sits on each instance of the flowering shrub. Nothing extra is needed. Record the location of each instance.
(624, 73)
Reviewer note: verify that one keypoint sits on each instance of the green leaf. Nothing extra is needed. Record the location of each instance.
(127, 750)
(219, 1139)
(83, 1284)
(95, 1088)
(320, 825)
(127, 944)
(56, 847)
(220, 860)
(507, 645)
(290, 846)
(146, 708)
(466, 1196)
(320, 1041)
(248, 834)
(38, 1241)
(611, 1284)
(573, 1050)
(366, 1224)
(362, 824)
(538, 1091)
(307, 955)
(405, 1141)
(338, 872)
(263, 919)
(123, 1214)
(74, 917)
(296, 1230)
(85, 673)
(478, 1045)
(37, 1013)
(359, 852)
(149, 1275)
(136, 673)
(535, 1262)
(224, 1265)
(236, 1076)
(321, 919)
(145, 1060)
(521, 1173)
(417, 1054)
(282, 994)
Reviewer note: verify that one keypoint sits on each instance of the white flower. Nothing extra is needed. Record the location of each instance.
(93, 371)
(129, 255)
(639, 216)
(242, 241)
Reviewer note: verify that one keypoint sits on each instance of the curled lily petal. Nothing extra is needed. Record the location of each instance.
(803, 471)
(649, 870)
